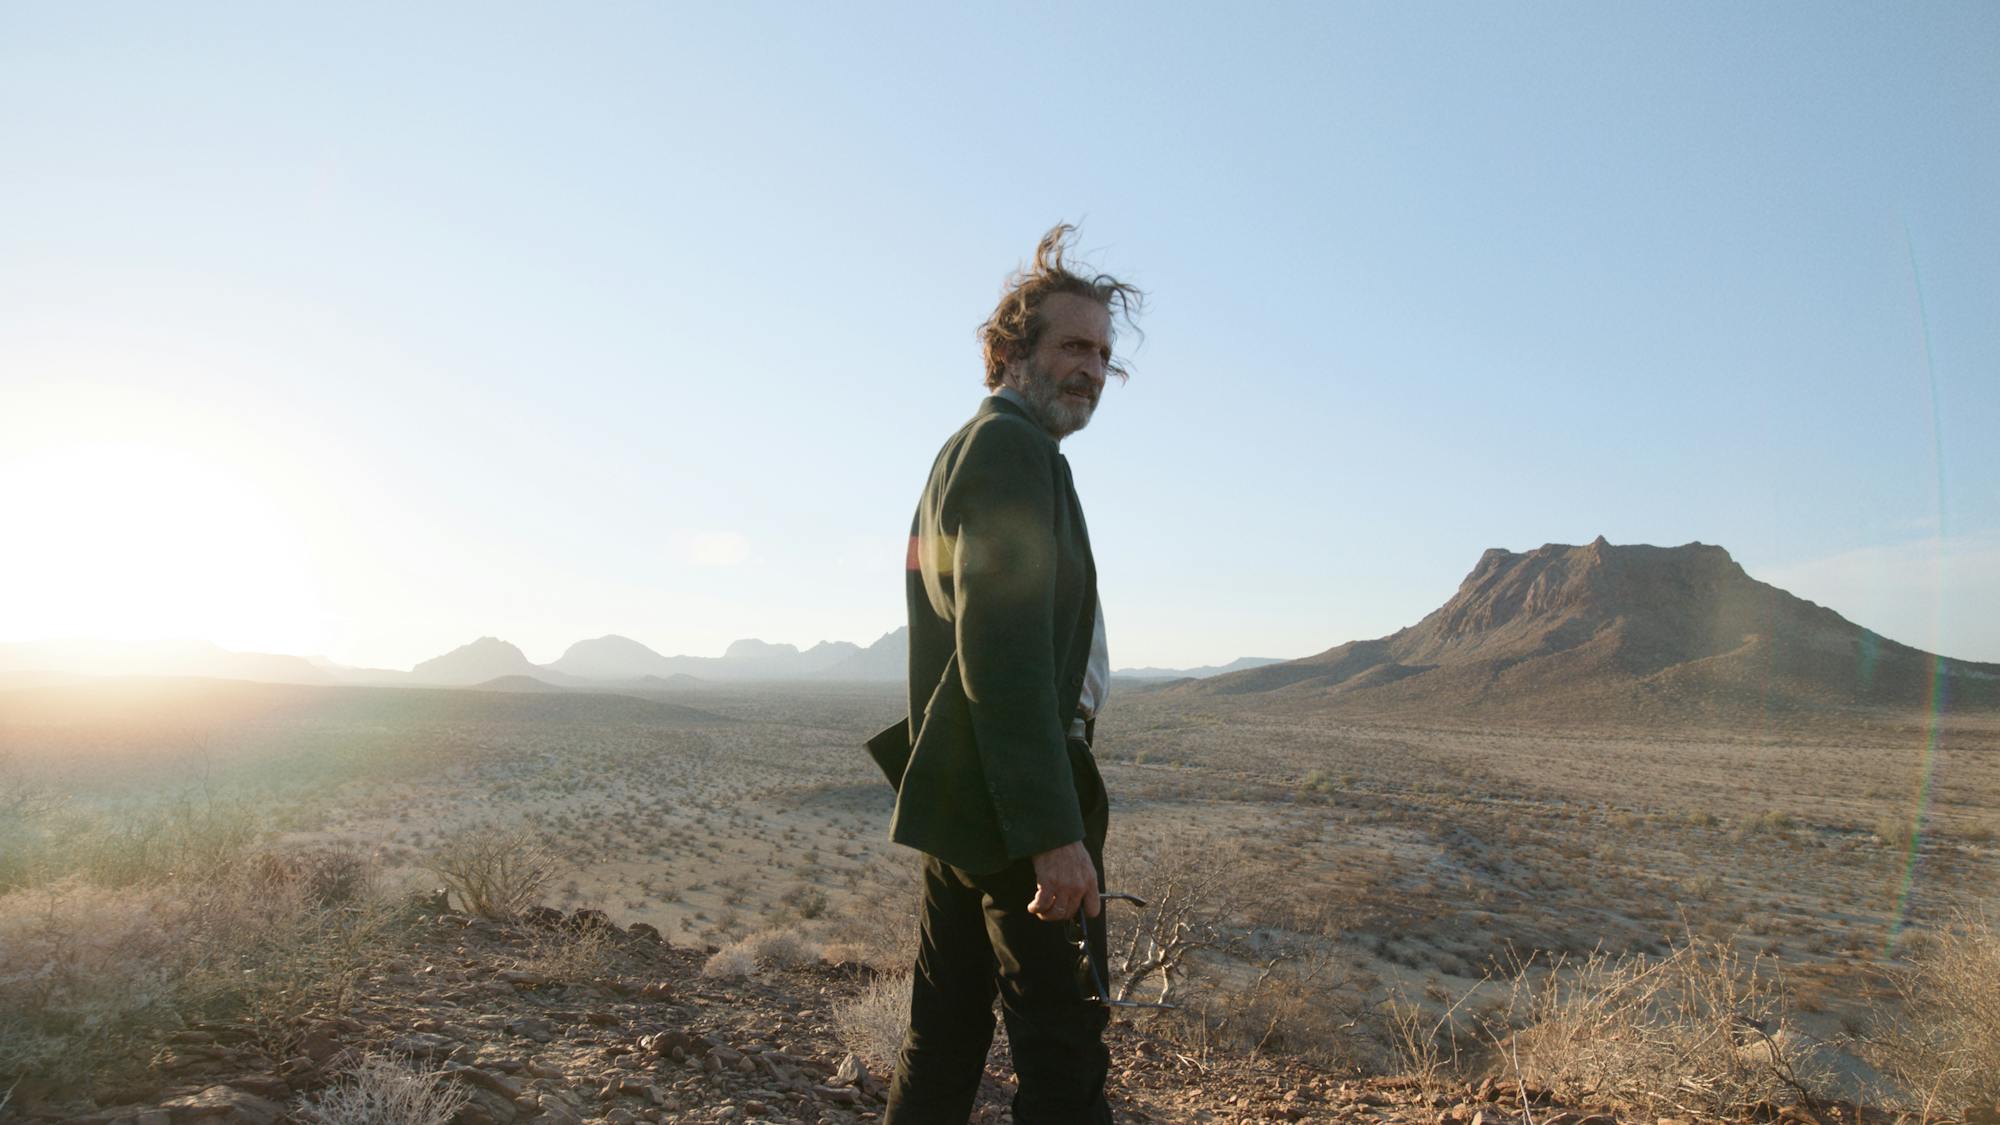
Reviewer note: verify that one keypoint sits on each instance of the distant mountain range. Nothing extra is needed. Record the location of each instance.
(1203, 672)
(1589, 633)
(1602, 631)
(60, 659)
(609, 662)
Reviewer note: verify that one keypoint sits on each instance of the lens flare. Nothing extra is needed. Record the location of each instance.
(1935, 689)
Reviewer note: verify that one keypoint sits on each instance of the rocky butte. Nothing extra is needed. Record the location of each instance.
(1614, 633)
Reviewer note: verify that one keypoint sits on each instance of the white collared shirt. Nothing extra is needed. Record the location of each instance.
(1096, 677)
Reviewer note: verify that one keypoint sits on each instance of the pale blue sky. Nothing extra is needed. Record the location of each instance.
(370, 329)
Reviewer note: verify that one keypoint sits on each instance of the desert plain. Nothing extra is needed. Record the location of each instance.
(1349, 889)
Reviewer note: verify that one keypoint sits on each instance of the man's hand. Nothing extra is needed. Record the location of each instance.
(1065, 877)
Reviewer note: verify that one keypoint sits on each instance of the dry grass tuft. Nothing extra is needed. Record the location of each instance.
(388, 1090)
(90, 974)
(729, 962)
(1944, 1046)
(782, 949)
(1698, 1031)
(1428, 1049)
(566, 954)
(846, 953)
(872, 1024)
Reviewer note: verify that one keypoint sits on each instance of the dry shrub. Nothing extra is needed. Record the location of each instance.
(782, 949)
(1943, 1047)
(495, 872)
(327, 876)
(178, 837)
(82, 972)
(846, 953)
(90, 976)
(805, 900)
(1198, 896)
(872, 1024)
(1431, 1049)
(1248, 970)
(728, 962)
(1303, 1002)
(1699, 1031)
(566, 953)
(388, 1090)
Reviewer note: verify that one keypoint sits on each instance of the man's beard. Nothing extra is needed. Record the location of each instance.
(1054, 411)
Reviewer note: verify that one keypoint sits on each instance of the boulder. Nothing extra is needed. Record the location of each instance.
(223, 1105)
(851, 1072)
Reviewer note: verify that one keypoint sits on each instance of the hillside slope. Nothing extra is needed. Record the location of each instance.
(626, 1028)
(1603, 632)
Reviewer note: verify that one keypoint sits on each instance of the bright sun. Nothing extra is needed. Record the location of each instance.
(127, 540)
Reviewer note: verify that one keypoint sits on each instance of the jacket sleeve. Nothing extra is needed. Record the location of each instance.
(1001, 504)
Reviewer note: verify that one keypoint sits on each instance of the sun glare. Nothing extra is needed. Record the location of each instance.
(126, 540)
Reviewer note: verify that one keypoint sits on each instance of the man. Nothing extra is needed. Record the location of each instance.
(995, 780)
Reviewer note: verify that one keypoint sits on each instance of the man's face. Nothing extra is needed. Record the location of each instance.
(1063, 377)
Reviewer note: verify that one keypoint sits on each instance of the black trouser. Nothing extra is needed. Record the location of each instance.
(979, 939)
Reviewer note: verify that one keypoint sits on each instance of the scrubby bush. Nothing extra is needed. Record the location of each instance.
(90, 975)
(388, 1090)
(567, 954)
(1198, 898)
(783, 949)
(808, 902)
(1432, 1047)
(1701, 885)
(845, 953)
(1898, 832)
(495, 872)
(1699, 1031)
(190, 834)
(729, 962)
(326, 876)
(82, 969)
(1307, 1002)
(1770, 822)
(1943, 1048)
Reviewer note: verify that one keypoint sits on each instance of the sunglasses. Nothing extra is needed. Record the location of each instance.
(1093, 972)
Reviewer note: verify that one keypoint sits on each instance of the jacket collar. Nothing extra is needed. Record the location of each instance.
(1003, 401)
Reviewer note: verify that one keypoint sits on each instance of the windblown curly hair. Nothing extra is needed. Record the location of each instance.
(1016, 324)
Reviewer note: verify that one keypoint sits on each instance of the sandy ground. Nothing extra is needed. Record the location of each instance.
(1414, 858)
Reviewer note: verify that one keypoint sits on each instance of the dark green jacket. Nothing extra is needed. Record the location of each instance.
(1002, 595)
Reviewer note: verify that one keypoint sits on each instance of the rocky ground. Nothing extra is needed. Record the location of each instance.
(645, 1037)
